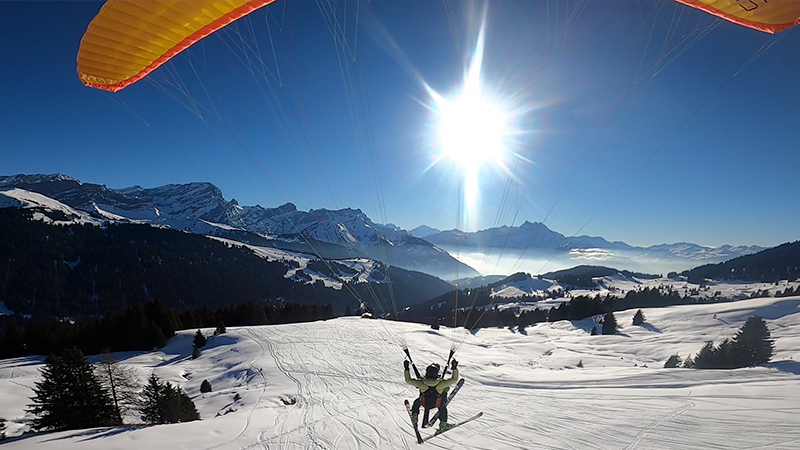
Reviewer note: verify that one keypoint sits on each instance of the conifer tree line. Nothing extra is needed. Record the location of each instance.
(139, 327)
(74, 394)
(84, 270)
(478, 310)
(771, 265)
(752, 345)
(164, 403)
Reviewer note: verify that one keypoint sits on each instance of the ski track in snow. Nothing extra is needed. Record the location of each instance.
(260, 395)
(334, 387)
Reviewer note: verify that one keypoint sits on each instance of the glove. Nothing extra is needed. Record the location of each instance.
(454, 365)
(405, 364)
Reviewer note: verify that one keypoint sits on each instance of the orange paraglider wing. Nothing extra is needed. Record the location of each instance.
(128, 39)
(769, 16)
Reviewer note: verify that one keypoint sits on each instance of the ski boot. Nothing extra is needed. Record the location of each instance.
(443, 426)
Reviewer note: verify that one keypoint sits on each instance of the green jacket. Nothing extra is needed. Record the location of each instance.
(425, 383)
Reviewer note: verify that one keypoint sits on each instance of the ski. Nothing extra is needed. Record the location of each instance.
(449, 398)
(416, 429)
(438, 433)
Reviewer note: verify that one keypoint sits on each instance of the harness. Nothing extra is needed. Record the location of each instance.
(431, 397)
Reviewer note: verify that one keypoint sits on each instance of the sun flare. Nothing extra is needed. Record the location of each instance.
(472, 128)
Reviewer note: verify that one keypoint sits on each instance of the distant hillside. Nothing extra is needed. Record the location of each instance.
(76, 269)
(779, 263)
(526, 246)
(201, 208)
(583, 276)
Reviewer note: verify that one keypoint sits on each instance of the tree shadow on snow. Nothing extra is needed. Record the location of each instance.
(587, 325)
(650, 327)
(788, 366)
(97, 433)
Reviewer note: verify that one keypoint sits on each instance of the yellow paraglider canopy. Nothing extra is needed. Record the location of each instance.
(768, 16)
(128, 39)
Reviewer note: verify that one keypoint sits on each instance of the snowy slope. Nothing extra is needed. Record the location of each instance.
(44, 207)
(345, 379)
(359, 270)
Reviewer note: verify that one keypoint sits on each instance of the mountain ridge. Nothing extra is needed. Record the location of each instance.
(200, 207)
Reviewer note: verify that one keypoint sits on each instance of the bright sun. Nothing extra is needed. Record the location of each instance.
(472, 130)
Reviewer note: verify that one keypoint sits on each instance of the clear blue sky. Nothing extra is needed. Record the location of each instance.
(693, 153)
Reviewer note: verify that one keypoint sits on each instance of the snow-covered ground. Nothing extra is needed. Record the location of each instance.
(544, 293)
(338, 384)
(20, 198)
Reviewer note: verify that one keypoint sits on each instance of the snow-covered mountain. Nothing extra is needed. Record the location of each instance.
(201, 208)
(552, 250)
(45, 209)
(349, 233)
(424, 231)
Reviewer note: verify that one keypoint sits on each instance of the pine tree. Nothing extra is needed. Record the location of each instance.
(205, 386)
(150, 405)
(195, 352)
(121, 382)
(2, 428)
(638, 318)
(672, 362)
(753, 343)
(164, 403)
(705, 358)
(199, 339)
(609, 323)
(220, 329)
(70, 396)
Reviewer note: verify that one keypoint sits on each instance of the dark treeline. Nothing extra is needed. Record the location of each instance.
(583, 276)
(752, 345)
(771, 265)
(82, 270)
(139, 327)
(485, 314)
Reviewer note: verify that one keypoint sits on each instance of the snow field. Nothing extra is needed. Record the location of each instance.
(338, 384)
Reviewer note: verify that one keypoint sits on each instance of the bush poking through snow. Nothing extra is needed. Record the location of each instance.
(205, 386)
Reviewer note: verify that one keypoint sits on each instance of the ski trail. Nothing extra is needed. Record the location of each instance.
(339, 390)
(658, 423)
(260, 395)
